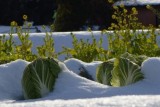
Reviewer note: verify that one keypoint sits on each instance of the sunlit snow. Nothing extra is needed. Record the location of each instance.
(138, 2)
(71, 90)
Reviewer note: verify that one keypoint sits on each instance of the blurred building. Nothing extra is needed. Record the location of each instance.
(145, 15)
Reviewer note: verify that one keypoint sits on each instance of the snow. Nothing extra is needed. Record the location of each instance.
(138, 2)
(71, 89)
(6, 29)
(152, 73)
(62, 39)
(75, 65)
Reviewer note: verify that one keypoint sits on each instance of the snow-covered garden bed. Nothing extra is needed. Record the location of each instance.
(71, 89)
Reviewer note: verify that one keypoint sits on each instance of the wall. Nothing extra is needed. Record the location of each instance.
(146, 16)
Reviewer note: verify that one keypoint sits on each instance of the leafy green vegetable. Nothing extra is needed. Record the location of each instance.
(39, 77)
(125, 72)
(103, 72)
(136, 59)
(140, 59)
(129, 56)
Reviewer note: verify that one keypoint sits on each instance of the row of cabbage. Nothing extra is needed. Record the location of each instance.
(40, 76)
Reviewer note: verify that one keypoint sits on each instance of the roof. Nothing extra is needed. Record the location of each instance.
(138, 2)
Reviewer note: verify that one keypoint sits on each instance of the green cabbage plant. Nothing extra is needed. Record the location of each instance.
(39, 77)
(103, 72)
(121, 71)
(138, 59)
(129, 56)
(125, 72)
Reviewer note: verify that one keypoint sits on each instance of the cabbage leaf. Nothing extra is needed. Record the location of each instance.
(39, 77)
(125, 72)
(103, 72)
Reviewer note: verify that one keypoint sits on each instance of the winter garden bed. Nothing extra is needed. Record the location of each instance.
(70, 89)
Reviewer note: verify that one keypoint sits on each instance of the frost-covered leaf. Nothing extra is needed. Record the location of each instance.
(103, 72)
(125, 72)
(39, 77)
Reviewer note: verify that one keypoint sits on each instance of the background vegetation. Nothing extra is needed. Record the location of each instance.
(39, 11)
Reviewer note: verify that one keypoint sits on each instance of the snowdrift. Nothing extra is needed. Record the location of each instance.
(76, 91)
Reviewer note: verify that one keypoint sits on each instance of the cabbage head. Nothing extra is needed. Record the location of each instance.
(125, 72)
(129, 56)
(138, 59)
(103, 72)
(141, 59)
(39, 77)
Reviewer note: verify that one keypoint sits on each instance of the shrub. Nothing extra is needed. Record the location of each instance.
(47, 49)
(39, 77)
(127, 37)
(10, 51)
(24, 50)
(7, 49)
(85, 50)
